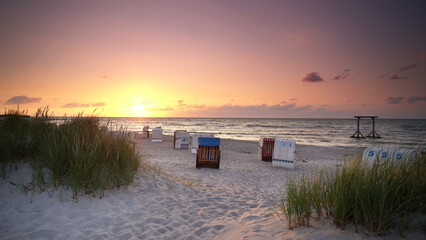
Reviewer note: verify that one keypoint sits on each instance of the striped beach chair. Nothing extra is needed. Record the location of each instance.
(157, 134)
(283, 153)
(208, 153)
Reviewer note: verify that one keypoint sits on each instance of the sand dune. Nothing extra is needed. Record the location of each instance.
(230, 203)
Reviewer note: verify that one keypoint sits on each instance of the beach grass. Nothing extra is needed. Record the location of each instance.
(76, 153)
(376, 196)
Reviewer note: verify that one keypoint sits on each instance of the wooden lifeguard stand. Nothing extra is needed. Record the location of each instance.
(372, 134)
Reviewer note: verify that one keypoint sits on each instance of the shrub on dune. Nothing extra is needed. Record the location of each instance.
(77, 152)
(376, 196)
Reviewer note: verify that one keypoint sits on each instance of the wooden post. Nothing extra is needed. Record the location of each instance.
(373, 133)
(357, 133)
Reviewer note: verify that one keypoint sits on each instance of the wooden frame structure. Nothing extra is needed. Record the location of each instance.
(372, 134)
(266, 148)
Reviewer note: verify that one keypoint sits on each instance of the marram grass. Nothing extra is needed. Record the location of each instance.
(376, 196)
(76, 153)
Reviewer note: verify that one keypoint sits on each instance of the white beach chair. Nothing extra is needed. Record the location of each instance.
(157, 134)
(181, 139)
(388, 154)
(194, 140)
(370, 154)
(401, 154)
(385, 154)
(283, 154)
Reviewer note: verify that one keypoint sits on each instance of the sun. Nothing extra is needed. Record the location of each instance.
(138, 110)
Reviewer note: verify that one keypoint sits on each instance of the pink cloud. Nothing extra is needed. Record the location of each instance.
(22, 100)
(403, 69)
(312, 77)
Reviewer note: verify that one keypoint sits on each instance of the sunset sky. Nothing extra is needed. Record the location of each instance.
(327, 59)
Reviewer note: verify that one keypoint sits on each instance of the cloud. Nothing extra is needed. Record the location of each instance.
(22, 100)
(196, 106)
(422, 55)
(99, 104)
(75, 105)
(414, 99)
(103, 76)
(293, 99)
(397, 77)
(159, 109)
(312, 77)
(343, 75)
(349, 100)
(394, 100)
(383, 75)
(144, 102)
(363, 105)
(406, 68)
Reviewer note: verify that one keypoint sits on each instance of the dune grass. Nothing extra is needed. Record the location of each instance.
(376, 196)
(76, 153)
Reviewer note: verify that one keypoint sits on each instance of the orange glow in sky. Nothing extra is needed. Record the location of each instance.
(214, 58)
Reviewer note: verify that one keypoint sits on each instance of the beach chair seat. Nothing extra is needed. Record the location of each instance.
(181, 139)
(208, 153)
(194, 140)
(265, 149)
(283, 153)
(157, 134)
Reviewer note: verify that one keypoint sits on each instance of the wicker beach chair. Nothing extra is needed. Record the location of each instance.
(208, 153)
(181, 139)
(283, 153)
(157, 134)
(265, 149)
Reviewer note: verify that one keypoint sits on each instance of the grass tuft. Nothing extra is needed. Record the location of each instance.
(375, 196)
(77, 152)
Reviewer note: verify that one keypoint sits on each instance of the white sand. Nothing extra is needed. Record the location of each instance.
(230, 203)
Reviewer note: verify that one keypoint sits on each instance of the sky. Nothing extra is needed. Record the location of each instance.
(261, 59)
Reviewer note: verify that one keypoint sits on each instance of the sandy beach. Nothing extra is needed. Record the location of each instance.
(181, 202)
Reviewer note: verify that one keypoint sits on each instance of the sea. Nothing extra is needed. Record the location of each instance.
(406, 133)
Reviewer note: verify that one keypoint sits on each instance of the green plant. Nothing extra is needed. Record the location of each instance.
(77, 153)
(376, 196)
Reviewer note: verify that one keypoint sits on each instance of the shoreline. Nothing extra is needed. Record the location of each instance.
(232, 202)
